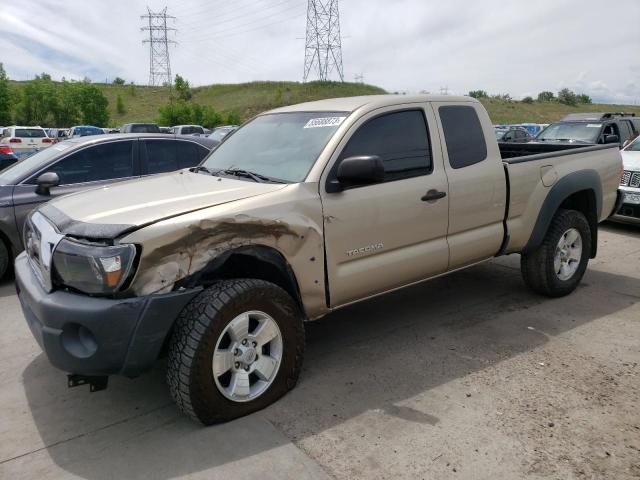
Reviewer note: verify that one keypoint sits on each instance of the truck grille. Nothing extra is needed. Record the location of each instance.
(626, 176)
(635, 180)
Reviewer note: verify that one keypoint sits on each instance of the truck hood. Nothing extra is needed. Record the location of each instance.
(112, 210)
(631, 160)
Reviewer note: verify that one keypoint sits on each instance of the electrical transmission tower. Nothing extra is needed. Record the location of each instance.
(159, 64)
(323, 50)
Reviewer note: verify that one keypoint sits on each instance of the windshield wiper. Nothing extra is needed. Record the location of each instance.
(201, 168)
(256, 177)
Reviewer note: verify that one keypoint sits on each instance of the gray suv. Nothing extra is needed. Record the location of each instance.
(83, 163)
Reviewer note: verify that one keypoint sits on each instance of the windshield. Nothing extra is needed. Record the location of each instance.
(283, 146)
(578, 131)
(14, 174)
(145, 128)
(634, 146)
(30, 133)
(500, 134)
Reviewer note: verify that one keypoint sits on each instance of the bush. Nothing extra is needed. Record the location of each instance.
(527, 100)
(567, 97)
(478, 94)
(118, 81)
(546, 96)
(182, 88)
(120, 106)
(583, 98)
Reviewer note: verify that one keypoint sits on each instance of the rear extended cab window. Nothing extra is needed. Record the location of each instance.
(463, 135)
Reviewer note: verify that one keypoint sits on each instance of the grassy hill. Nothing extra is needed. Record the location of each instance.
(247, 99)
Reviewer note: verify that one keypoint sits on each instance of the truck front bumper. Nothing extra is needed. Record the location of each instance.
(97, 336)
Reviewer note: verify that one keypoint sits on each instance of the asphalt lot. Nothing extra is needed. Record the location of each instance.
(469, 376)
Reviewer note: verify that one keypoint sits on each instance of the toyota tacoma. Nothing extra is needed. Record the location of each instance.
(303, 210)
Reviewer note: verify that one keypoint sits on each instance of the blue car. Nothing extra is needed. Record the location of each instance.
(84, 131)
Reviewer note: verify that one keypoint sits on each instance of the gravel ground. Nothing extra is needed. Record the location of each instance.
(469, 376)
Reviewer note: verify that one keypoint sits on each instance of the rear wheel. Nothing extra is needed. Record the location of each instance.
(237, 347)
(4, 259)
(557, 266)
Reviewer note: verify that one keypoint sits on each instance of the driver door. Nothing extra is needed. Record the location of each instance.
(386, 235)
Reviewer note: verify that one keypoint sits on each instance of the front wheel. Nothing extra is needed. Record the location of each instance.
(236, 348)
(557, 266)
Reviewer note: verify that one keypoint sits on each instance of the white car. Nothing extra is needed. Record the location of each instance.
(25, 140)
(187, 130)
(630, 184)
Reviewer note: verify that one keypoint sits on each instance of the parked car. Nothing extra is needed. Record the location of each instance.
(84, 131)
(220, 132)
(57, 134)
(533, 128)
(187, 130)
(513, 134)
(629, 212)
(592, 129)
(140, 128)
(83, 163)
(303, 210)
(165, 129)
(24, 140)
(7, 157)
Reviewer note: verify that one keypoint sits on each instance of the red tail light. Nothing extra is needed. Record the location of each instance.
(46, 140)
(4, 149)
(15, 140)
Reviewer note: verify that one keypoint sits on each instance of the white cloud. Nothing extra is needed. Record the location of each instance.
(410, 45)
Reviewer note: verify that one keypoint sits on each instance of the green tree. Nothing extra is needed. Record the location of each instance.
(175, 113)
(118, 81)
(584, 98)
(182, 88)
(210, 117)
(67, 114)
(5, 98)
(38, 102)
(120, 106)
(527, 100)
(567, 97)
(546, 96)
(478, 94)
(233, 119)
(93, 105)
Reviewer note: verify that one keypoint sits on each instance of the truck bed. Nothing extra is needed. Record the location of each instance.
(517, 150)
(533, 175)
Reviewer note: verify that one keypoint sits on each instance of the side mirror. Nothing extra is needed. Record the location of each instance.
(359, 170)
(46, 181)
(611, 139)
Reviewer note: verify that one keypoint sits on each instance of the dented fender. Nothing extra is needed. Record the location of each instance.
(288, 221)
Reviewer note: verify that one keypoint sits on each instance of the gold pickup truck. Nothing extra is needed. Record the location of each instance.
(301, 211)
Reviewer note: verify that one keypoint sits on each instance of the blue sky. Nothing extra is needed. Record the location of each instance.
(515, 47)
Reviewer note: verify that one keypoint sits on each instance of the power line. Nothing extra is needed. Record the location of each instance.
(233, 29)
(323, 48)
(209, 24)
(159, 62)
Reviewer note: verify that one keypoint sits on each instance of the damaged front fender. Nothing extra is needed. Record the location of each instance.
(184, 247)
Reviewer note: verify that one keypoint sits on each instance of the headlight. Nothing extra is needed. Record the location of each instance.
(92, 269)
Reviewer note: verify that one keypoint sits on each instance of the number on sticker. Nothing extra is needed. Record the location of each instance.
(324, 122)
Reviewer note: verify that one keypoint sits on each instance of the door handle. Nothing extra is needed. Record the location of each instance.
(433, 195)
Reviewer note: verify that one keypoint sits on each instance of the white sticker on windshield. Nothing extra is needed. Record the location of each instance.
(594, 125)
(324, 122)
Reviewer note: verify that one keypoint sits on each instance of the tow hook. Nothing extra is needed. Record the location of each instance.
(96, 383)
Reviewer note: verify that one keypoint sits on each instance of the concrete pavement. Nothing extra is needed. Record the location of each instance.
(467, 376)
